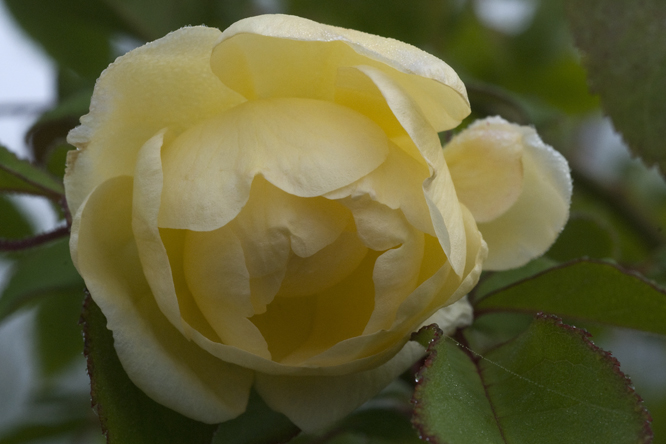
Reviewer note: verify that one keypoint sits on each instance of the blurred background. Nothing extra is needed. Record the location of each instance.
(516, 57)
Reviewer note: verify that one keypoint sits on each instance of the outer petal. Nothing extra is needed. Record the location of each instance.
(457, 315)
(166, 83)
(280, 56)
(529, 227)
(486, 165)
(155, 355)
(313, 402)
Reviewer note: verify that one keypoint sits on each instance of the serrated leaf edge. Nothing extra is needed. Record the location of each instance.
(647, 433)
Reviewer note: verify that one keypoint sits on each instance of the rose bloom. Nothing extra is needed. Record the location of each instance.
(270, 207)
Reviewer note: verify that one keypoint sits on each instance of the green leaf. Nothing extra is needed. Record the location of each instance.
(21, 176)
(29, 433)
(584, 235)
(127, 415)
(13, 223)
(490, 331)
(625, 56)
(549, 385)
(151, 21)
(414, 22)
(635, 234)
(76, 33)
(58, 335)
(57, 159)
(492, 281)
(426, 335)
(588, 291)
(258, 425)
(53, 126)
(38, 273)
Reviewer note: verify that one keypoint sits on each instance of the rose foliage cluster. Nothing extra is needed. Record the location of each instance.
(270, 207)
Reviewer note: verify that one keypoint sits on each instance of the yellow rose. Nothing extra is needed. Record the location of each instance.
(517, 188)
(270, 206)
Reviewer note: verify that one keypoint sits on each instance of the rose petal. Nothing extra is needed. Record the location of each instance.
(378, 348)
(444, 288)
(304, 147)
(166, 83)
(395, 275)
(397, 184)
(314, 402)
(339, 312)
(532, 224)
(287, 56)
(452, 317)
(145, 207)
(439, 289)
(155, 355)
(485, 161)
(214, 266)
(310, 224)
(438, 189)
(162, 283)
(397, 269)
(325, 268)
(205, 276)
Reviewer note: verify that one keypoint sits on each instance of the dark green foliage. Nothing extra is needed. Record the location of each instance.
(587, 291)
(625, 55)
(549, 385)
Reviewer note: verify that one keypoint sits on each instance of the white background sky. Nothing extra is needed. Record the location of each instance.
(26, 77)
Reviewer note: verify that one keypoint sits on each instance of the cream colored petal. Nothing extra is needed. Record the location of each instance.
(325, 268)
(157, 266)
(302, 146)
(287, 56)
(395, 275)
(145, 207)
(310, 224)
(443, 287)
(452, 317)
(355, 90)
(174, 242)
(378, 226)
(396, 270)
(228, 320)
(438, 188)
(314, 402)
(447, 217)
(486, 165)
(397, 184)
(166, 83)
(358, 353)
(532, 224)
(339, 312)
(439, 287)
(344, 358)
(214, 266)
(156, 357)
